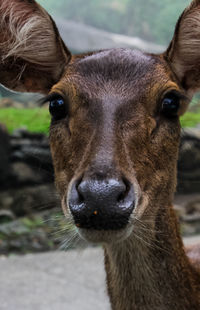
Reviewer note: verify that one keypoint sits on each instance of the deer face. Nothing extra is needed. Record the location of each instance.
(115, 116)
(115, 147)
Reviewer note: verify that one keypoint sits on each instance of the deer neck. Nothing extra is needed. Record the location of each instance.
(152, 274)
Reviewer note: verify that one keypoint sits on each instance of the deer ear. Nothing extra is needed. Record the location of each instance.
(184, 50)
(32, 53)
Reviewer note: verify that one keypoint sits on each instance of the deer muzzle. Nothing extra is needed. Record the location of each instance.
(101, 204)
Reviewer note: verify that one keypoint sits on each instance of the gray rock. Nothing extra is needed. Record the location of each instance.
(32, 151)
(25, 200)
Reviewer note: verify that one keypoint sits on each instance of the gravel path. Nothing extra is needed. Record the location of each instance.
(74, 280)
(54, 281)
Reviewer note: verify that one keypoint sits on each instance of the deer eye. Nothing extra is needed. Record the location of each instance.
(57, 108)
(170, 105)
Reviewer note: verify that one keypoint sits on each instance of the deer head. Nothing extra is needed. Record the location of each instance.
(115, 127)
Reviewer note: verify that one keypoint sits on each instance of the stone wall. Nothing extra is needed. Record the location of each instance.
(26, 172)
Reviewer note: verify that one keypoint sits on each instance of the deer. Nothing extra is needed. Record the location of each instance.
(114, 139)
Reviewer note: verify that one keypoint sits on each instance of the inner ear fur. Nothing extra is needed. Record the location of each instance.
(32, 53)
(183, 54)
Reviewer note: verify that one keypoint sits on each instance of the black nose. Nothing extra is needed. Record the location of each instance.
(101, 204)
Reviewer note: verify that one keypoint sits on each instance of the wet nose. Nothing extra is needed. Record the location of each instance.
(102, 204)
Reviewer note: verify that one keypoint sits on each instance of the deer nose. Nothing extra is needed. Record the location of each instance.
(101, 204)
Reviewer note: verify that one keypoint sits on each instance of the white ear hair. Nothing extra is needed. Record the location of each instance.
(28, 38)
(32, 53)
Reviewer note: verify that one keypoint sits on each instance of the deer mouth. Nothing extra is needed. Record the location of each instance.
(105, 236)
(99, 234)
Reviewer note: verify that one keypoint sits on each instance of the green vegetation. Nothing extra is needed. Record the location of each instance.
(32, 223)
(190, 119)
(34, 120)
(152, 20)
(38, 119)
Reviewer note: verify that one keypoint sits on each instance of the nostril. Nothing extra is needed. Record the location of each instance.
(80, 196)
(125, 188)
(79, 191)
(75, 197)
(121, 195)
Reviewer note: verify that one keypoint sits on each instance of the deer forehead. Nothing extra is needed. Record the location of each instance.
(116, 77)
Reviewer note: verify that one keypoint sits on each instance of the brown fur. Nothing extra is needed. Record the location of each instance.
(115, 128)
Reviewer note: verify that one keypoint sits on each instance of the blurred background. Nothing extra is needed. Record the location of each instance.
(30, 214)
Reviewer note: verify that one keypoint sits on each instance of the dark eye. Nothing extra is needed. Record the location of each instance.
(57, 108)
(170, 105)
